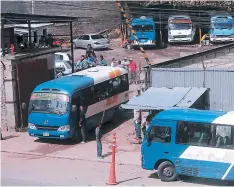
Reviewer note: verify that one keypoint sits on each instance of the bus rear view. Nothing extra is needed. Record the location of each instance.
(144, 28)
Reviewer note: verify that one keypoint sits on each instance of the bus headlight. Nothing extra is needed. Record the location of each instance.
(31, 126)
(64, 128)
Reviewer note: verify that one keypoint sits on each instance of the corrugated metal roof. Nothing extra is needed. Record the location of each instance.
(165, 98)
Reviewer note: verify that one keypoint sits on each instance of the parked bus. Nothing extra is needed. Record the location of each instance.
(180, 29)
(144, 28)
(54, 105)
(221, 27)
(190, 142)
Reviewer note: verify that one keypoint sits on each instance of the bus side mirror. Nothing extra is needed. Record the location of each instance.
(74, 108)
(23, 106)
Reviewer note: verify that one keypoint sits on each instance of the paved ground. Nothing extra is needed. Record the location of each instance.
(155, 55)
(28, 170)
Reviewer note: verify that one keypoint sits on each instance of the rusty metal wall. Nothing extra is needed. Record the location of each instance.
(30, 73)
(219, 81)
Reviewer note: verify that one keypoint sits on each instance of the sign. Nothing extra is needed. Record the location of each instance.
(49, 96)
(180, 21)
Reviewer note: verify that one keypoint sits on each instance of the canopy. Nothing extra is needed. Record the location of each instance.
(165, 98)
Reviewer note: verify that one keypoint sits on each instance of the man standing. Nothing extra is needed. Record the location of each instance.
(99, 141)
(103, 61)
(82, 63)
(82, 124)
(132, 70)
(137, 121)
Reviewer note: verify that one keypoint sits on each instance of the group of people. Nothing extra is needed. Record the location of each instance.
(90, 60)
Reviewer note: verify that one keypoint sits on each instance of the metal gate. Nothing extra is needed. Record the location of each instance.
(30, 73)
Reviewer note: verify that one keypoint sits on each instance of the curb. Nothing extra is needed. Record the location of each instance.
(68, 158)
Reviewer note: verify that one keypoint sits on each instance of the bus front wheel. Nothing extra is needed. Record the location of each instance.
(167, 172)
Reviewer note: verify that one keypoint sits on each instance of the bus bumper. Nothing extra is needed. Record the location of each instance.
(49, 134)
(224, 39)
(175, 40)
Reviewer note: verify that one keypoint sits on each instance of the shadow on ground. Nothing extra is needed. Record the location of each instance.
(120, 118)
(199, 181)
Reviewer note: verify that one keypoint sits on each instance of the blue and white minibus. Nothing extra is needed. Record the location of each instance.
(54, 105)
(190, 142)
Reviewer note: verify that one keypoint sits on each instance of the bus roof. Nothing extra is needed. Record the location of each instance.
(68, 84)
(142, 20)
(194, 115)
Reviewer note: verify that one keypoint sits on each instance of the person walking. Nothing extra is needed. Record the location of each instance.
(137, 121)
(99, 141)
(82, 124)
(145, 125)
(103, 61)
(132, 70)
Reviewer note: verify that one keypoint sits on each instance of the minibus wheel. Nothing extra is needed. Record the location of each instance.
(167, 171)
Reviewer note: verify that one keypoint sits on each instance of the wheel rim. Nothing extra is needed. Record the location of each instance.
(168, 172)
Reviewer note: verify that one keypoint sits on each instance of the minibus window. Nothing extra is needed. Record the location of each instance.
(223, 138)
(194, 134)
(160, 134)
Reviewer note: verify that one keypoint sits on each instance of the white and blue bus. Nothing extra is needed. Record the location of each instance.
(54, 105)
(190, 142)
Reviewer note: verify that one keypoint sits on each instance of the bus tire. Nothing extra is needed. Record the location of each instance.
(167, 172)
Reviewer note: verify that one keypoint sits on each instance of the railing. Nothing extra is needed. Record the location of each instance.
(193, 56)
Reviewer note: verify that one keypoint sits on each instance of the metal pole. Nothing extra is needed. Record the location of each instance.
(29, 34)
(33, 6)
(72, 50)
(2, 38)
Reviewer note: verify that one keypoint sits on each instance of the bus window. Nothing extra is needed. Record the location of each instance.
(224, 137)
(194, 134)
(160, 134)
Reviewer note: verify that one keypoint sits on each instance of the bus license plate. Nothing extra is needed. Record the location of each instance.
(46, 134)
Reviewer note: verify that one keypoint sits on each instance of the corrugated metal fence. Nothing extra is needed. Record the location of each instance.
(219, 81)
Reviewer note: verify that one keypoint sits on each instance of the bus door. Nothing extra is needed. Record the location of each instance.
(159, 139)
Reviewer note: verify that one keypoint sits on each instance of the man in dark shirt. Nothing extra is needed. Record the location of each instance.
(99, 141)
(82, 124)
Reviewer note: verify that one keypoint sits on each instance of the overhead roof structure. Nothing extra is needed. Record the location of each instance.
(15, 18)
(165, 98)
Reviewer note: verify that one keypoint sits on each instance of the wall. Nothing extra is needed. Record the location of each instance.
(219, 81)
(103, 14)
(10, 109)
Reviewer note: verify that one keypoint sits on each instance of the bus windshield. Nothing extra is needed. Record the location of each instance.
(143, 28)
(222, 26)
(50, 103)
(180, 26)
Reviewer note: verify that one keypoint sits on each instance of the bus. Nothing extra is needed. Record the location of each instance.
(180, 29)
(144, 28)
(221, 27)
(54, 105)
(191, 142)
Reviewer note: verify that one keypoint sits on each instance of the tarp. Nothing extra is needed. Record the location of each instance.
(165, 98)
